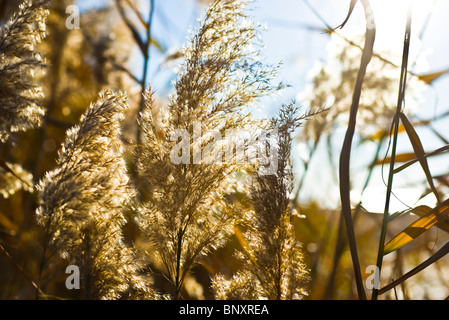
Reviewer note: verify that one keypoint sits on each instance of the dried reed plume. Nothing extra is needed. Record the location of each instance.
(272, 261)
(333, 81)
(185, 213)
(82, 203)
(20, 66)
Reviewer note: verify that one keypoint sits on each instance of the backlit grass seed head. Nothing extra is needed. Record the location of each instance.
(271, 257)
(82, 202)
(20, 67)
(220, 77)
(332, 86)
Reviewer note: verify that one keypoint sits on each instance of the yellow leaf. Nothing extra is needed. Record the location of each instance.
(431, 77)
(429, 218)
(442, 223)
(403, 157)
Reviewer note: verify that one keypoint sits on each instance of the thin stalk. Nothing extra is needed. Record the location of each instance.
(178, 267)
(339, 246)
(41, 265)
(19, 267)
(345, 156)
(146, 63)
(402, 87)
(145, 48)
(437, 256)
(279, 273)
(341, 240)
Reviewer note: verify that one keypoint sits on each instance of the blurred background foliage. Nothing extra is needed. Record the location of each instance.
(105, 53)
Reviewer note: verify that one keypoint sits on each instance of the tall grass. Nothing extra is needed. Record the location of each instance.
(95, 172)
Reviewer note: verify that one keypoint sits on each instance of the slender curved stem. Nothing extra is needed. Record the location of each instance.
(345, 155)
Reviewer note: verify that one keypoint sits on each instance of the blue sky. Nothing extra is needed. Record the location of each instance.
(287, 39)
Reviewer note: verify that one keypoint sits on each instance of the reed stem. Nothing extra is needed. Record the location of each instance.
(395, 132)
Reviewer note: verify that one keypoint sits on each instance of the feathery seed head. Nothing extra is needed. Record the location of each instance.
(20, 67)
(82, 202)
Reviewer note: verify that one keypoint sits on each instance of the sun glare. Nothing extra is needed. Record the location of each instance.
(391, 16)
